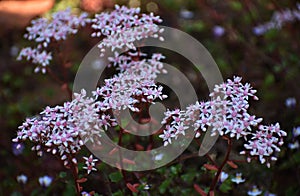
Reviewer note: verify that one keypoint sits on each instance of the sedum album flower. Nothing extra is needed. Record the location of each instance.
(64, 129)
(227, 114)
(90, 164)
(134, 85)
(44, 31)
(122, 26)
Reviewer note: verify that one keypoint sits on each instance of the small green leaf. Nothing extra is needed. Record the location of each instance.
(235, 5)
(163, 187)
(115, 177)
(118, 193)
(62, 174)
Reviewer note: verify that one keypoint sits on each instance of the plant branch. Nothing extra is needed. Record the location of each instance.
(215, 180)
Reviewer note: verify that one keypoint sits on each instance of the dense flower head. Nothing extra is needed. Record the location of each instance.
(278, 19)
(227, 114)
(44, 31)
(264, 142)
(64, 129)
(134, 84)
(123, 26)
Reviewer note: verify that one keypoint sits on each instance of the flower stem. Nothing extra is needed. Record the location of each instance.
(215, 180)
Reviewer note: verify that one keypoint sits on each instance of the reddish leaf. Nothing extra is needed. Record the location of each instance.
(81, 180)
(132, 188)
(139, 147)
(210, 167)
(232, 164)
(113, 151)
(149, 147)
(211, 193)
(199, 190)
(131, 162)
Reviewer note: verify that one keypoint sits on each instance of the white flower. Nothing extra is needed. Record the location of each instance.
(254, 191)
(22, 179)
(45, 181)
(238, 178)
(90, 163)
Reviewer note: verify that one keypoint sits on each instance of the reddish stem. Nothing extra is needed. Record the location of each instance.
(215, 180)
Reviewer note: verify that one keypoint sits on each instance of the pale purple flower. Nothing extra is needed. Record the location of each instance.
(186, 14)
(296, 131)
(84, 193)
(223, 176)
(294, 145)
(290, 102)
(45, 181)
(267, 193)
(218, 31)
(279, 18)
(18, 148)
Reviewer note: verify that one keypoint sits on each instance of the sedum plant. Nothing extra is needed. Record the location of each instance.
(63, 130)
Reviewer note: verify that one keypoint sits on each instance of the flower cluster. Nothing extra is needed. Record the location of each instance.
(123, 26)
(64, 129)
(278, 19)
(264, 142)
(135, 84)
(227, 114)
(44, 31)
